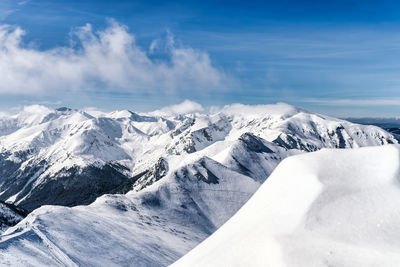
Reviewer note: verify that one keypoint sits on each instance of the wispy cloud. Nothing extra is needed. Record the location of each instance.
(4, 13)
(108, 60)
(22, 3)
(9, 7)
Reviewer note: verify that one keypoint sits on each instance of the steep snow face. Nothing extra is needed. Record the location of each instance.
(328, 208)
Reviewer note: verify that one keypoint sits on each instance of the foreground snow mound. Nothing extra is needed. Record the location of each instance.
(327, 208)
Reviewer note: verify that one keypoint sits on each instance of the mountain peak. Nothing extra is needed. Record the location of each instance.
(63, 109)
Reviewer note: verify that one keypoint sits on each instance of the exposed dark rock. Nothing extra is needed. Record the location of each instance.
(128, 185)
(290, 142)
(158, 171)
(10, 215)
(200, 170)
(254, 143)
(339, 134)
(63, 109)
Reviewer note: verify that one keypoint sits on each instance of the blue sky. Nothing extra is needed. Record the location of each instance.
(336, 57)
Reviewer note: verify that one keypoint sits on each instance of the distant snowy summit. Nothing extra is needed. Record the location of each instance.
(169, 178)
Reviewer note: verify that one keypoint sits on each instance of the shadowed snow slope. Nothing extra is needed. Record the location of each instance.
(327, 208)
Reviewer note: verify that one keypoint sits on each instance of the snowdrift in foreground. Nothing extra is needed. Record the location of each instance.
(327, 208)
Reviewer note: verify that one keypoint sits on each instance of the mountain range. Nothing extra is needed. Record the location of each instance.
(145, 188)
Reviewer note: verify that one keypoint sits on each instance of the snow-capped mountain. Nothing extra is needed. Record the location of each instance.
(328, 208)
(69, 157)
(183, 176)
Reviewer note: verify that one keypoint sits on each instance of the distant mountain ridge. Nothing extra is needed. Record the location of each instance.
(381, 122)
(391, 125)
(69, 157)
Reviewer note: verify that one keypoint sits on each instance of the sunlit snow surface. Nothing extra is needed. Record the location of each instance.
(327, 208)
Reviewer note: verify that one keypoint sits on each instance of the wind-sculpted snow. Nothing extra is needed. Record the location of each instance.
(183, 176)
(328, 208)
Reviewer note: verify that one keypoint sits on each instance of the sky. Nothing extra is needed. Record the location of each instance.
(340, 58)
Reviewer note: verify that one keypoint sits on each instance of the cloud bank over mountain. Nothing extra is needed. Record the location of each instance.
(185, 107)
(109, 60)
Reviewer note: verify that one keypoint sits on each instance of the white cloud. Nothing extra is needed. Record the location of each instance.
(185, 107)
(153, 46)
(27, 113)
(106, 60)
(36, 109)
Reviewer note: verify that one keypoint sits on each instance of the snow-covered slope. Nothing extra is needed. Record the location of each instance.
(182, 175)
(328, 208)
(153, 227)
